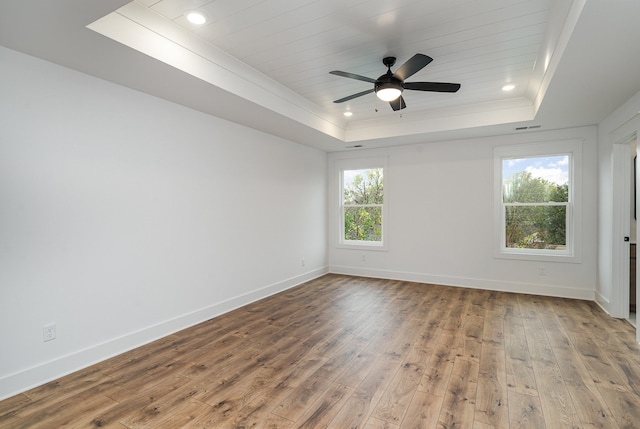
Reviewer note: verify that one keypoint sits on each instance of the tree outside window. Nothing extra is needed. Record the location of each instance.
(362, 205)
(536, 202)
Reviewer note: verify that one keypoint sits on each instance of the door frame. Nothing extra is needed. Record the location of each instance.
(621, 219)
(621, 227)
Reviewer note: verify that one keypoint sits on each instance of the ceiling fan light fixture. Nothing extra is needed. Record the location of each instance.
(388, 92)
(388, 87)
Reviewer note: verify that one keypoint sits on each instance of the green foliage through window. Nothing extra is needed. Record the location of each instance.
(535, 209)
(363, 198)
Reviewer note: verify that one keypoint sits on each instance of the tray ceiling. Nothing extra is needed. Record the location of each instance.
(266, 64)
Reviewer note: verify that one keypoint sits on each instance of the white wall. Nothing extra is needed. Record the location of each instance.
(124, 217)
(615, 127)
(440, 226)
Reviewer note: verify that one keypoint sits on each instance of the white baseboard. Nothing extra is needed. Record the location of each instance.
(26, 379)
(472, 283)
(603, 303)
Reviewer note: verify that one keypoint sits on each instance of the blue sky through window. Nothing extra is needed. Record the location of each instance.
(555, 169)
(349, 175)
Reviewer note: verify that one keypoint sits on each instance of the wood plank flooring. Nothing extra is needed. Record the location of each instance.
(345, 352)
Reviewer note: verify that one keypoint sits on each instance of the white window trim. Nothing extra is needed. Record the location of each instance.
(573, 252)
(361, 164)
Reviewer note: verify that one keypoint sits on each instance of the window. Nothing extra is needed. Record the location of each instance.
(362, 209)
(536, 191)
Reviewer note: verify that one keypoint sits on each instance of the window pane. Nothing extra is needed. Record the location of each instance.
(536, 179)
(363, 223)
(536, 227)
(363, 186)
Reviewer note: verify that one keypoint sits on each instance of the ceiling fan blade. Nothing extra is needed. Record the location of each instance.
(398, 103)
(432, 86)
(412, 66)
(351, 97)
(352, 76)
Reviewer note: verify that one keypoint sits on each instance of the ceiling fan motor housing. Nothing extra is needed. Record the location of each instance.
(388, 80)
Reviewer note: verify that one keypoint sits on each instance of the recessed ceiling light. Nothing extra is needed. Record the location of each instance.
(508, 87)
(196, 18)
(347, 114)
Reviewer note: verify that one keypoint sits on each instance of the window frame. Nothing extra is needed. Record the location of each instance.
(343, 165)
(573, 250)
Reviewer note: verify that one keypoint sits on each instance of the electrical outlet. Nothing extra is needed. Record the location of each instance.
(302, 262)
(541, 271)
(364, 258)
(49, 332)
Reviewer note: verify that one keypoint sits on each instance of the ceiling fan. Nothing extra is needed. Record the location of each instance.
(389, 86)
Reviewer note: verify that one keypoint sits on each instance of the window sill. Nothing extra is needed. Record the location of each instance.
(540, 257)
(362, 246)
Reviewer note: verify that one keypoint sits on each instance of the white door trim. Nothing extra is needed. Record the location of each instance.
(621, 138)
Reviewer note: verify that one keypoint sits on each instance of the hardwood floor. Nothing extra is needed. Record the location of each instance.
(345, 352)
